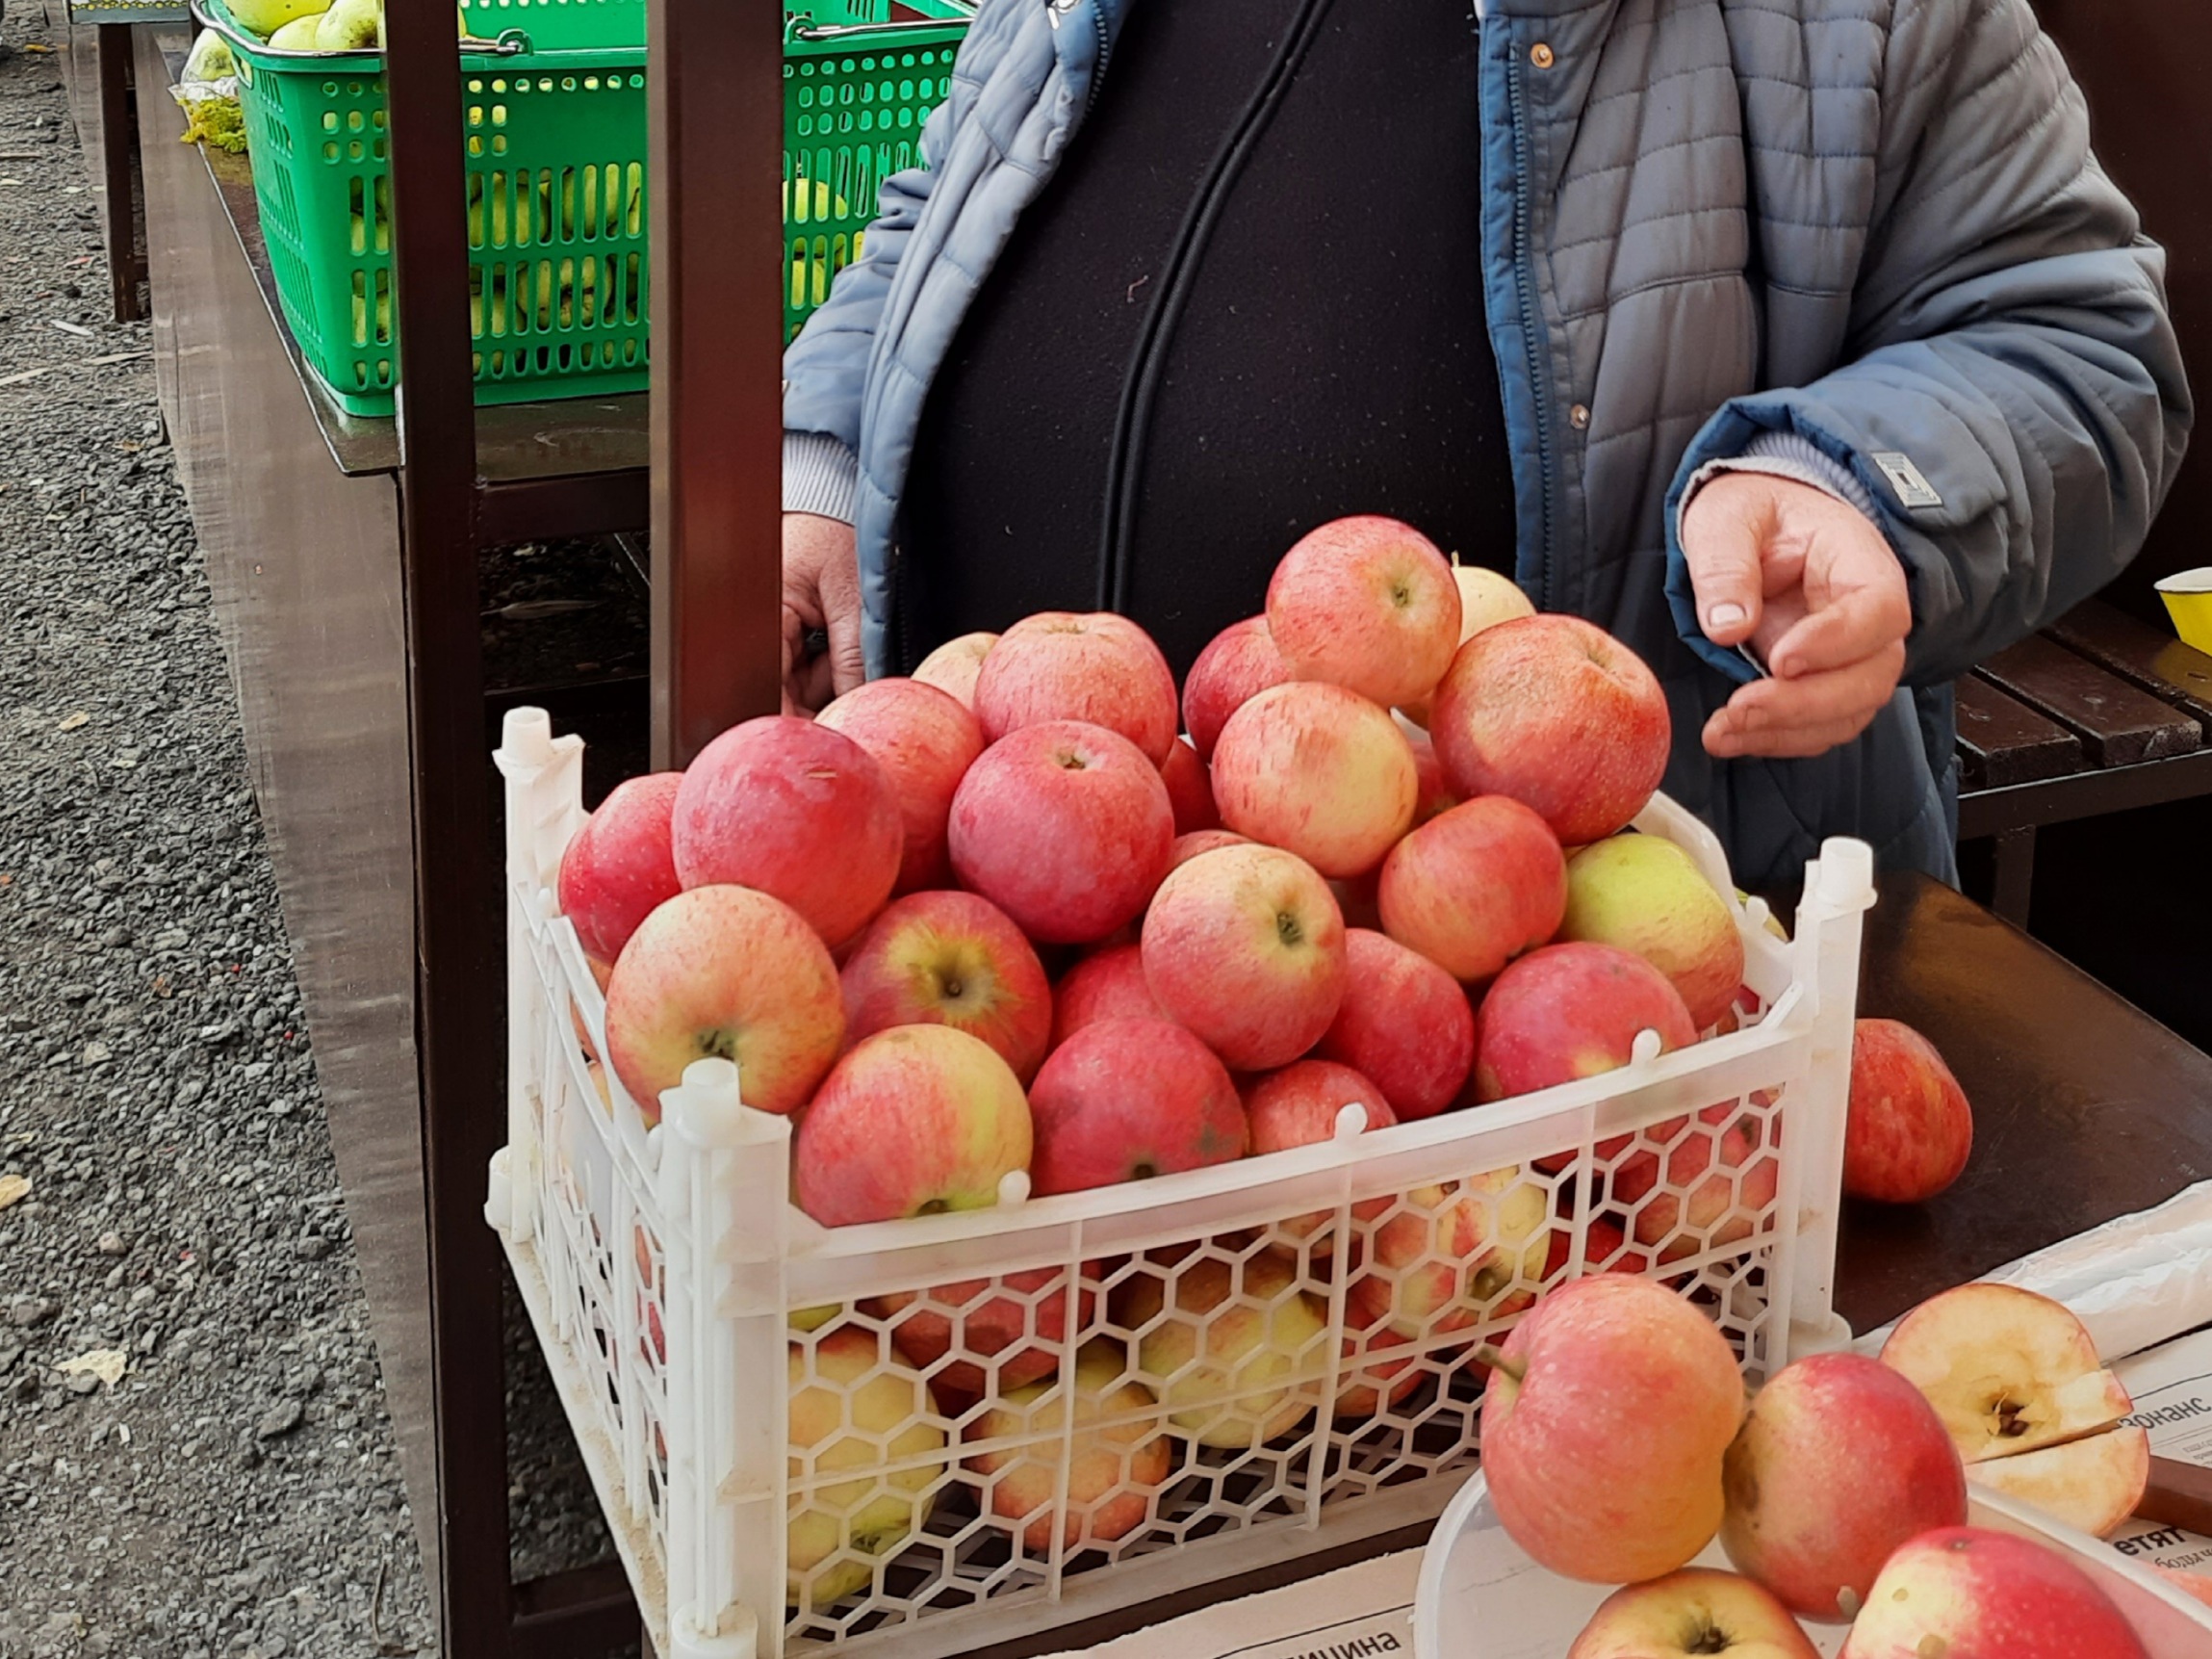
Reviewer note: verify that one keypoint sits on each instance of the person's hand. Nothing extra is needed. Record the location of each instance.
(821, 590)
(1817, 592)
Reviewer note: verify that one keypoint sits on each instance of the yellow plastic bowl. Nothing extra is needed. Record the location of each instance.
(2188, 596)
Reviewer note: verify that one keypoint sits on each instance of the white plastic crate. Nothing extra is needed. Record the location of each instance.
(684, 1305)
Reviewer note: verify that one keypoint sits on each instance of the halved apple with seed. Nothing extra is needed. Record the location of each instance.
(2015, 1379)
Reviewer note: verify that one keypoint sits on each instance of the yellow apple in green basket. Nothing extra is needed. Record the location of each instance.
(350, 25)
(854, 1411)
(266, 17)
(298, 35)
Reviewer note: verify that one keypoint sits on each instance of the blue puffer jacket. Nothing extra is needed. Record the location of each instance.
(1875, 225)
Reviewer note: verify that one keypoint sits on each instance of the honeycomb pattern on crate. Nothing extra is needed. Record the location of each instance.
(975, 1441)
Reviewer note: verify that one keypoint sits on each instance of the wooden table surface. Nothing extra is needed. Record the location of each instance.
(2084, 1107)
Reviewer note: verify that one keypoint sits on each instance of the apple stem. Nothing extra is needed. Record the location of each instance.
(1498, 1361)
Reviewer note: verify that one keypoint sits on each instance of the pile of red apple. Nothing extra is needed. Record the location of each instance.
(1617, 1445)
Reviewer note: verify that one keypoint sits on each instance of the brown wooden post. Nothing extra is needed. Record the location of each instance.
(116, 147)
(457, 912)
(715, 91)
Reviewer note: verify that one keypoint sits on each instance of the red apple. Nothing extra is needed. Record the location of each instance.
(1445, 1256)
(797, 811)
(1910, 1129)
(1297, 1106)
(951, 959)
(729, 973)
(1966, 1592)
(1405, 1023)
(1486, 598)
(618, 866)
(1571, 1011)
(925, 739)
(1317, 772)
(1188, 846)
(1190, 790)
(1359, 900)
(1697, 1611)
(1012, 1324)
(1244, 946)
(916, 1119)
(1099, 668)
(1434, 796)
(1064, 826)
(1106, 985)
(1605, 1249)
(1604, 1427)
(1368, 603)
(1644, 894)
(1472, 889)
(1559, 714)
(1704, 1206)
(953, 666)
(1233, 1350)
(1838, 1462)
(1123, 1100)
(1239, 664)
(1117, 1458)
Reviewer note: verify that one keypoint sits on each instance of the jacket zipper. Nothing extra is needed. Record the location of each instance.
(1524, 281)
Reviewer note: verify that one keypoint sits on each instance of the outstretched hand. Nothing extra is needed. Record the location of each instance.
(1819, 594)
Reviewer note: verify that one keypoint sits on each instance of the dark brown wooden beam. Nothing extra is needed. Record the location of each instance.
(2118, 726)
(459, 941)
(583, 1613)
(116, 148)
(2140, 654)
(2002, 740)
(572, 506)
(715, 93)
(2085, 795)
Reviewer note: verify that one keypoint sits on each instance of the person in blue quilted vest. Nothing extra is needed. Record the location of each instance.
(1801, 343)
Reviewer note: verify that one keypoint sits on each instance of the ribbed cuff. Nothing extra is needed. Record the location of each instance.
(820, 476)
(1787, 455)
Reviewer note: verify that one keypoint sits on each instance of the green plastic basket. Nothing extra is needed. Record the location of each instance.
(556, 189)
(855, 97)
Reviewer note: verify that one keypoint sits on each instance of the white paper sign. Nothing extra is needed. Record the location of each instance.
(2172, 1389)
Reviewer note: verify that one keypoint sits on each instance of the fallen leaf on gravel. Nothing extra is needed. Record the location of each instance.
(70, 722)
(108, 1364)
(76, 329)
(17, 379)
(13, 1187)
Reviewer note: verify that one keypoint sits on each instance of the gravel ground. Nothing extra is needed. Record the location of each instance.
(194, 1457)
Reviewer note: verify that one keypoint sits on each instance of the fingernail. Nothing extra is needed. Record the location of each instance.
(1726, 614)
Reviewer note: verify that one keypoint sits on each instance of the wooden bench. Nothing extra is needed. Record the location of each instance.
(2098, 713)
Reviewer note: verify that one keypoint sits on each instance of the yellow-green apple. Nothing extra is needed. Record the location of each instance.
(1106, 985)
(1126, 1100)
(1434, 796)
(1188, 846)
(731, 973)
(1910, 1130)
(916, 1119)
(1838, 1462)
(1475, 887)
(1190, 790)
(813, 1318)
(1007, 1330)
(1486, 598)
(1603, 1427)
(1719, 1182)
(1065, 827)
(925, 739)
(1449, 1256)
(266, 17)
(1696, 1611)
(1238, 664)
(1644, 894)
(1118, 1456)
(1235, 1352)
(618, 867)
(300, 34)
(350, 25)
(797, 811)
(1319, 771)
(854, 1410)
(950, 959)
(2006, 1369)
(1556, 713)
(1571, 1011)
(954, 665)
(1967, 1592)
(2093, 1484)
(1245, 947)
(1369, 604)
(1405, 1023)
(1099, 668)
(1297, 1106)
